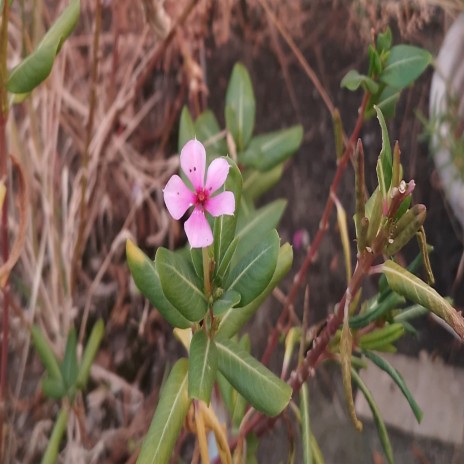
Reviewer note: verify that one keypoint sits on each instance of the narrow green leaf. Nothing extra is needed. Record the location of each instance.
(257, 183)
(69, 367)
(404, 65)
(374, 214)
(380, 424)
(180, 284)
(251, 228)
(235, 318)
(197, 260)
(90, 351)
(146, 277)
(224, 226)
(403, 282)
(207, 131)
(38, 65)
(387, 101)
(240, 106)
(227, 301)
(169, 416)
(186, 128)
(202, 366)
(53, 447)
(268, 150)
(305, 424)
(377, 310)
(384, 162)
(263, 389)
(380, 338)
(398, 379)
(46, 355)
(253, 273)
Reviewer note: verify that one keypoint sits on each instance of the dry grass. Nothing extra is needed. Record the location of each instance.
(135, 116)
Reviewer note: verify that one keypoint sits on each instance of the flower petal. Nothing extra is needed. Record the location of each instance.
(193, 163)
(198, 231)
(217, 175)
(177, 197)
(224, 203)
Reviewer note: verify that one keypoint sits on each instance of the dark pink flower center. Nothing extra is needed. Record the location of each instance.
(201, 197)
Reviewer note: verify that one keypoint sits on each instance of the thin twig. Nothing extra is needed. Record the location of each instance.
(323, 227)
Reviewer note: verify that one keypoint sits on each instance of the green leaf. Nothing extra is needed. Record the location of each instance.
(180, 284)
(169, 416)
(384, 162)
(240, 107)
(227, 301)
(202, 366)
(251, 228)
(46, 355)
(263, 389)
(403, 282)
(380, 424)
(53, 388)
(257, 183)
(146, 277)
(197, 260)
(398, 379)
(235, 318)
(384, 40)
(404, 65)
(186, 128)
(38, 65)
(268, 150)
(90, 351)
(207, 131)
(353, 80)
(69, 367)
(387, 101)
(305, 424)
(225, 225)
(253, 273)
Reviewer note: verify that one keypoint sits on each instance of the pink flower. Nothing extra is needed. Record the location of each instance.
(178, 197)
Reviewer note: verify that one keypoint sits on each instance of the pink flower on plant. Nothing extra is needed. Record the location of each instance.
(178, 197)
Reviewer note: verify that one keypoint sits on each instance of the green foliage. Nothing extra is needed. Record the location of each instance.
(37, 66)
(64, 379)
(391, 69)
(203, 360)
(240, 109)
(264, 390)
(169, 416)
(380, 424)
(146, 277)
(305, 425)
(266, 151)
(398, 379)
(180, 284)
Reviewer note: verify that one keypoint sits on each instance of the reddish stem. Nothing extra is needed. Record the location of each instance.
(323, 227)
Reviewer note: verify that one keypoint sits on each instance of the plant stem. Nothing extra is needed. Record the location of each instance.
(206, 274)
(51, 453)
(4, 215)
(323, 227)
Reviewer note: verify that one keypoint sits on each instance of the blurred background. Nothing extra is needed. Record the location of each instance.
(97, 142)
